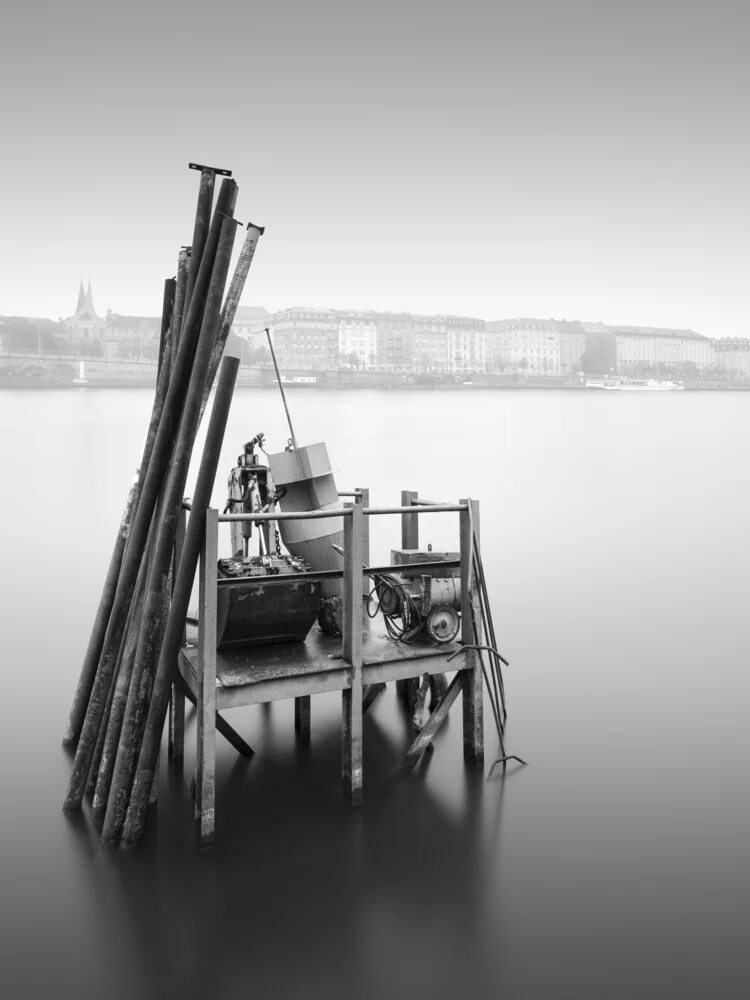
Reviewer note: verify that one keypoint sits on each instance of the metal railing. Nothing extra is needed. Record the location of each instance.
(355, 571)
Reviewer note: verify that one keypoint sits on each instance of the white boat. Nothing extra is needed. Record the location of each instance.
(81, 380)
(649, 384)
(652, 384)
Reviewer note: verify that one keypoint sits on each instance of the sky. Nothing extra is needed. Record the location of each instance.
(576, 159)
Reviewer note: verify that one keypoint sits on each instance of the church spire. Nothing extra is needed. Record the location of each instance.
(88, 302)
(81, 296)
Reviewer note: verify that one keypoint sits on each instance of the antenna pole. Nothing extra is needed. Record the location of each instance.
(281, 390)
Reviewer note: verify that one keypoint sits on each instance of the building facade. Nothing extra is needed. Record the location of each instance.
(732, 356)
(395, 341)
(466, 344)
(367, 340)
(573, 342)
(647, 350)
(250, 324)
(531, 346)
(357, 339)
(305, 338)
(128, 337)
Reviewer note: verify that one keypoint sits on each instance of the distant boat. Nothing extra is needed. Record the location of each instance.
(652, 384)
(81, 379)
(298, 381)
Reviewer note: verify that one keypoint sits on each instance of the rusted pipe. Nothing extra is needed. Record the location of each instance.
(138, 530)
(150, 638)
(178, 313)
(109, 591)
(232, 300)
(112, 721)
(167, 667)
(200, 233)
(167, 309)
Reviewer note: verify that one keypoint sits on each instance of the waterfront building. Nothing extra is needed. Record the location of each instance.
(357, 338)
(84, 324)
(524, 345)
(573, 341)
(250, 324)
(732, 354)
(305, 338)
(449, 344)
(430, 339)
(395, 337)
(640, 349)
(125, 337)
(321, 338)
(466, 344)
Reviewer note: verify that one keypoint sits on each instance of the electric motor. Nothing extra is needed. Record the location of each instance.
(442, 624)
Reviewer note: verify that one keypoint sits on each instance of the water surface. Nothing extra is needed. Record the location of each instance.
(616, 545)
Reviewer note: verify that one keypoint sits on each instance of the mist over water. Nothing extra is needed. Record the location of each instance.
(616, 545)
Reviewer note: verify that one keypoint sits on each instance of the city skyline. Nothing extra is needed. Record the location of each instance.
(490, 159)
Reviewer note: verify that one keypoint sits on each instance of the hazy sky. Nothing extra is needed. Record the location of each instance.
(585, 159)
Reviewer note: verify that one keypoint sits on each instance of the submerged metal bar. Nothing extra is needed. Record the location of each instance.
(435, 721)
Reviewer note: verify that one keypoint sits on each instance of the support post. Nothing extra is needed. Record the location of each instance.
(363, 499)
(205, 756)
(433, 724)
(353, 654)
(302, 718)
(407, 689)
(176, 746)
(472, 676)
(409, 522)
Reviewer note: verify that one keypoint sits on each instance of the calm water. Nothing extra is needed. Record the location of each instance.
(616, 542)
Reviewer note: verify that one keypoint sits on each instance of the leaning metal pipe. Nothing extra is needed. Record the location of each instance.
(200, 233)
(150, 638)
(113, 722)
(232, 300)
(171, 412)
(106, 601)
(178, 313)
(149, 751)
(167, 310)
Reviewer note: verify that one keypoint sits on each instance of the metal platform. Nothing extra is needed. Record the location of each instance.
(358, 664)
(290, 670)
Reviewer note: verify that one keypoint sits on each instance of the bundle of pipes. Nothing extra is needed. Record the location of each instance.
(121, 701)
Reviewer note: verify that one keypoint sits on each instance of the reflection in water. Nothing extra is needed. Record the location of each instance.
(616, 548)
(302, 891)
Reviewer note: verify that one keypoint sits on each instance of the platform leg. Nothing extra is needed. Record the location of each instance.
(473, 714)
(420, 703)
(351, 728)
(370, 693)
(205, 757)
(302, 718)
(472, 677)
(351, 734)
(176, 745)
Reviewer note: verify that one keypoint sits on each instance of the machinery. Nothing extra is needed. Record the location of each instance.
(250, 490)
(256, 604)
(263, 607)
(415, 602)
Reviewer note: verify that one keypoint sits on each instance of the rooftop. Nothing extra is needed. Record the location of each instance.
(655, 331)
(116, 320)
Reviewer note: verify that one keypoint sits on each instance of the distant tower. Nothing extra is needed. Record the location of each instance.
(84, 324)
